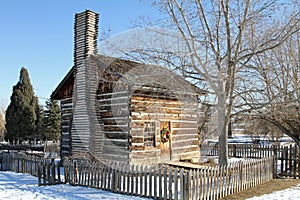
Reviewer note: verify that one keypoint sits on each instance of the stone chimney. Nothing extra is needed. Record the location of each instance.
(85, 35)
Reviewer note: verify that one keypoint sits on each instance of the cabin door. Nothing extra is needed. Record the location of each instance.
(165, 141)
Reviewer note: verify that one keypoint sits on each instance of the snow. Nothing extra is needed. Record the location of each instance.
(16, 186)
(292, 193)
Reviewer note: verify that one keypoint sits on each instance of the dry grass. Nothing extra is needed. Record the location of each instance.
(267, 188)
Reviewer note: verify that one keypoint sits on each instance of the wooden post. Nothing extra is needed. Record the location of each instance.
(75, 173)
(39, 176)
(170, 184)
(160, 182)
(141, 180)
(165, 184)
(275, 158)
(176, 184)
(58, 172)
(290, 159)
(295, 161)
(52, 179)
(136, 180)
(44, 172)
(150, 182)
(132, 180)
(48, 171)
(145, 181)
(126, 175)
(113, 177)
(181, 181)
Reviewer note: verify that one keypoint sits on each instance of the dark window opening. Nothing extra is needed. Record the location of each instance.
(149, 134)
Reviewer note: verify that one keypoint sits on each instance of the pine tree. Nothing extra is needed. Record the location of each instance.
(20, 115)
(39, 123)
(52, 120)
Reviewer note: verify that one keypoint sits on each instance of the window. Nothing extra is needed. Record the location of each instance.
(149, 134)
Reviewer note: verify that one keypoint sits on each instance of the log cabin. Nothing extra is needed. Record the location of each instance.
(122, 110)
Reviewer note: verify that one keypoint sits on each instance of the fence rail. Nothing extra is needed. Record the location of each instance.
(169, 182)
(287, 162)
(47, 170)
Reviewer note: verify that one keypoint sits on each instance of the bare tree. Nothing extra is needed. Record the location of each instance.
(216, 41)
(276, 96)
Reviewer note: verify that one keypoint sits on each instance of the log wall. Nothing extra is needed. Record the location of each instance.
(113, 115)
(182, 117)
(66, 122)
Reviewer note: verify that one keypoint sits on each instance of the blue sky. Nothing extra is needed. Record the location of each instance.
(38, 35)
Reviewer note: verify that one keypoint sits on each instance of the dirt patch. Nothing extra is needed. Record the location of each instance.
(267, 188)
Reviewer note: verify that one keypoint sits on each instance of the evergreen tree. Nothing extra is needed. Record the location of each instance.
(52, 120)
(20, 115)
(39, 124)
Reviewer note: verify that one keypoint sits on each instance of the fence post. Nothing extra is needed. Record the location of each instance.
(52, 179)
(58, 172)
(160, 182)
(182, 191)
(275, 160)
(170, 184)
(1, 162)
(176, 183)
(39, 176)
(44, 171)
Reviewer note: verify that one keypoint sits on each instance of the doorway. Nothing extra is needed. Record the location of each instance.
(165, 141)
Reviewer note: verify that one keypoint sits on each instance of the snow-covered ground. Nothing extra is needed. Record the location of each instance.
(292, 193)
(15, 186)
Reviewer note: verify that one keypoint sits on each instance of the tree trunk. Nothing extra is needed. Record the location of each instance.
(222, 129)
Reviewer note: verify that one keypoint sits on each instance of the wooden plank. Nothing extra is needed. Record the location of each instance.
(165, 184)
(182, 191)
(176, 184)
(141, 180)
(160, 182)
(170, 191)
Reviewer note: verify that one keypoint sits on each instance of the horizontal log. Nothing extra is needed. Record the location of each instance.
(116, 158)
(179, 137)
(110, 101)
(185, 143)
(184, 124)
(161, 116)
(137, 147)
(108, 128)
(113, 95)
(190, 132)
(137, 131)
(111, 114)
(116, 135)
(138, 124)
(115, 142)
(66, 100)
(115, 150)
(162, 110)
(137, 139)
(163, 103)
(186, 155)
(147, 153)
(182, 150)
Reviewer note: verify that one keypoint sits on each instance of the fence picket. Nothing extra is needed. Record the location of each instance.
(170, 184)
(176, 184)
(182, 195)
